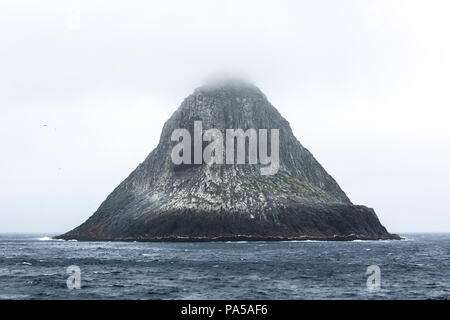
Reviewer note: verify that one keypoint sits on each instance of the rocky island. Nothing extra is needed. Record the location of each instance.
(197, 201)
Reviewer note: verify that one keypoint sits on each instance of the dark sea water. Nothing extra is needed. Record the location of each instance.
(34, 267)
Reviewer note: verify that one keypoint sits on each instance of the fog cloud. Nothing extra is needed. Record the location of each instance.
(85, 88)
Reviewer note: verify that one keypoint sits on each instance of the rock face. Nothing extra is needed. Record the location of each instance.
(161, 201)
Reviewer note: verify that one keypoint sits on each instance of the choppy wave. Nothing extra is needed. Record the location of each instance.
(218, 270)
(50, 239)
(45, 239)
(237, 241)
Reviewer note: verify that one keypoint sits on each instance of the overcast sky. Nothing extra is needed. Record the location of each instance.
(86, 86)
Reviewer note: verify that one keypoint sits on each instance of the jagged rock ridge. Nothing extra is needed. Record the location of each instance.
(161, 201)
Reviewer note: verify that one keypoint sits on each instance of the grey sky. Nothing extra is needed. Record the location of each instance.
(364, 85)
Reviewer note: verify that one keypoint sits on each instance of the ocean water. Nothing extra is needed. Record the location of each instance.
(34, 267)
